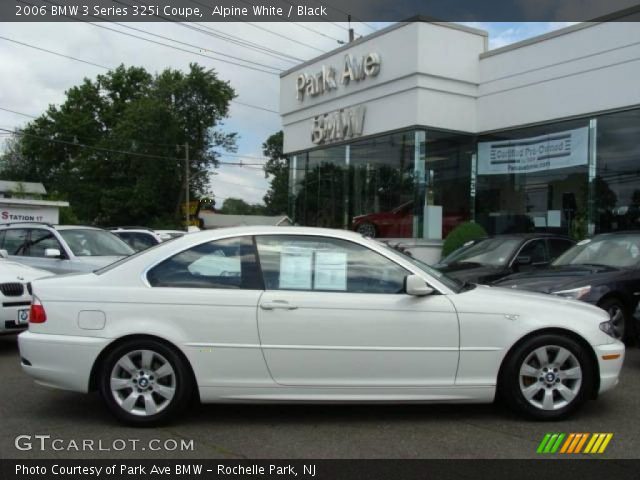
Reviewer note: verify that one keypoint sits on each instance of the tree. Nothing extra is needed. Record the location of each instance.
(277, 197)
(237, 206)
(111, 147)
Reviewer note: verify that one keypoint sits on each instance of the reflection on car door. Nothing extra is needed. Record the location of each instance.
(334, 314)
(40, 240)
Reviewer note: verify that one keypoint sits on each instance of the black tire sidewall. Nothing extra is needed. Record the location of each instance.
(184, 383)
(611, 301)
(509, 384)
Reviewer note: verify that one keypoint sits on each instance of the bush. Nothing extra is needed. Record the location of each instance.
(461, 235)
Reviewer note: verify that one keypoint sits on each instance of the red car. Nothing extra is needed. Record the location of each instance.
(397, 223)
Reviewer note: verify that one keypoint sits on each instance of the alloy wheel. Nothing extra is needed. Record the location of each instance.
(143, 382)
(550, 377)
(367, 230)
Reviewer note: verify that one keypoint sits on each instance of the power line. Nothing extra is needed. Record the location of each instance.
(127, 152)
(105, 68)
(226, 37)
(17, 113)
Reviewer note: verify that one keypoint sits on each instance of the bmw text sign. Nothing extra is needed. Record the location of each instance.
(534, 154)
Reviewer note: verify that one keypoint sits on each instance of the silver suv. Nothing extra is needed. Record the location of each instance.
(61, 248)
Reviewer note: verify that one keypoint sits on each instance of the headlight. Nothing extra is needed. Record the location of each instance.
(607, 327)
(575, 293)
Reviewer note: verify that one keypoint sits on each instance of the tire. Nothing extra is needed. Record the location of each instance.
(144, 382)
(620, 318)
(367, 229)
(520, 385)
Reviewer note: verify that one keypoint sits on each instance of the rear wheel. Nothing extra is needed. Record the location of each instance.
(145, 382)
(547, 377)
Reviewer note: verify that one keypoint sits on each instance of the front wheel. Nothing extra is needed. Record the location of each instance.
(145, 382)
(547, 377)
(619, 317)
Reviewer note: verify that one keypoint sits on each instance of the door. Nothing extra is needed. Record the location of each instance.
(334, 313)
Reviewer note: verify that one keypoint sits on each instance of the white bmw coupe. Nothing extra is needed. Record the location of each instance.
(290, 314)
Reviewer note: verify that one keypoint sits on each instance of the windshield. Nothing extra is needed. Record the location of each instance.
(617, 251)
(491, 251)
(451, 283)
(84, 242)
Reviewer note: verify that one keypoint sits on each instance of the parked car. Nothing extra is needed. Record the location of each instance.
(14, 294)
(138, 238)
(397, 223)
(308, 315)
(489, 259)
(603, 271)
(170, 234)
(61, 248)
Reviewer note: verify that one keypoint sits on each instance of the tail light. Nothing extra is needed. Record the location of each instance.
(37, 314)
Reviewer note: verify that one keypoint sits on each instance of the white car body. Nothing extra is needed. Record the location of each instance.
(15, 298)
(328, 346)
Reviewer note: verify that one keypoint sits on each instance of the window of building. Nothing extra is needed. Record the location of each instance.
(227, 263)
(534, 179)
(325, 264)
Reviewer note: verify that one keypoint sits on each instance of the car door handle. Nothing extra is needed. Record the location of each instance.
(275, 304)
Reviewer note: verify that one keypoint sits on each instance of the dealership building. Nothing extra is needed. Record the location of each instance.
(409, 131)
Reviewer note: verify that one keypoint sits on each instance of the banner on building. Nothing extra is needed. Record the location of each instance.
(534, 154)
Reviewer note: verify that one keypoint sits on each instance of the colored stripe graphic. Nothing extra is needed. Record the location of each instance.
(573, 443)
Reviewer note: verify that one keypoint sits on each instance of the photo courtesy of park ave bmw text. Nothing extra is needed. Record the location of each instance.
(309, 239)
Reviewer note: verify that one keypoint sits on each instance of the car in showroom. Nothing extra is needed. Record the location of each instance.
(603, 271)
(14, 294)
(296, 314)
(61, 248)
(489, 259)
(397, 223)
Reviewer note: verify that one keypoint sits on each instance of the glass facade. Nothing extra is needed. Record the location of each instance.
(576, 177)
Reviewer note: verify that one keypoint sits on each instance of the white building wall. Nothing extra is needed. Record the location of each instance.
(417, 84)
(441, 76)
(578, 72)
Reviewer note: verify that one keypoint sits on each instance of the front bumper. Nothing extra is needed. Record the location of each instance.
(610, 360)
(60, 361)
(10, 313)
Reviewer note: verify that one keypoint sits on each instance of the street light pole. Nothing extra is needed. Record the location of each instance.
(186, 184)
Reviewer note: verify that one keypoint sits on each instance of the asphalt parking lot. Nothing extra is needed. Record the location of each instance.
(306, 431)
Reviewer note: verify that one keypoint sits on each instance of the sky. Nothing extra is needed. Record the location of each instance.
(32, 79)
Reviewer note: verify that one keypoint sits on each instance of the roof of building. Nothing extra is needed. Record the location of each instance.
(220, 220)
(7, 186)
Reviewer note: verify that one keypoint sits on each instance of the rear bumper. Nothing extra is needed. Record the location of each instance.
(609, 368)
(60, 361)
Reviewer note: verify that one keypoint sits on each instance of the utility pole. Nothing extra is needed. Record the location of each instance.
(351, 32)
(186, 184)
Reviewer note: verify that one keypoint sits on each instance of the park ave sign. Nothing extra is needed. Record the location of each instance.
(326, 79)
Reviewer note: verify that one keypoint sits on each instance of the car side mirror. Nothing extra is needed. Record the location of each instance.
(416, 286)
(523, 260)
(4, 253)
(52, 253)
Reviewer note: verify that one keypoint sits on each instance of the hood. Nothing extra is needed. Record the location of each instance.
(560, 278)
(470, 272)
(17, 272)
(94, 263)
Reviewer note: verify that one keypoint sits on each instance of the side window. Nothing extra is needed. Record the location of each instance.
(536, 250)
(228, 263)
(326, 264)
(41, 240)
(137, 241)
(557, 246)
(15, 241)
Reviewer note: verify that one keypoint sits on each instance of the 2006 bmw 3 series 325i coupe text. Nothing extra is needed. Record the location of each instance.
(282, 314)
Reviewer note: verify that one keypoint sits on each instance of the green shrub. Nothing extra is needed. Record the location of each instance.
(461, 235)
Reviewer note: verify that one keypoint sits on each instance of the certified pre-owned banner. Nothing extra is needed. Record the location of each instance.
(534, 154)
